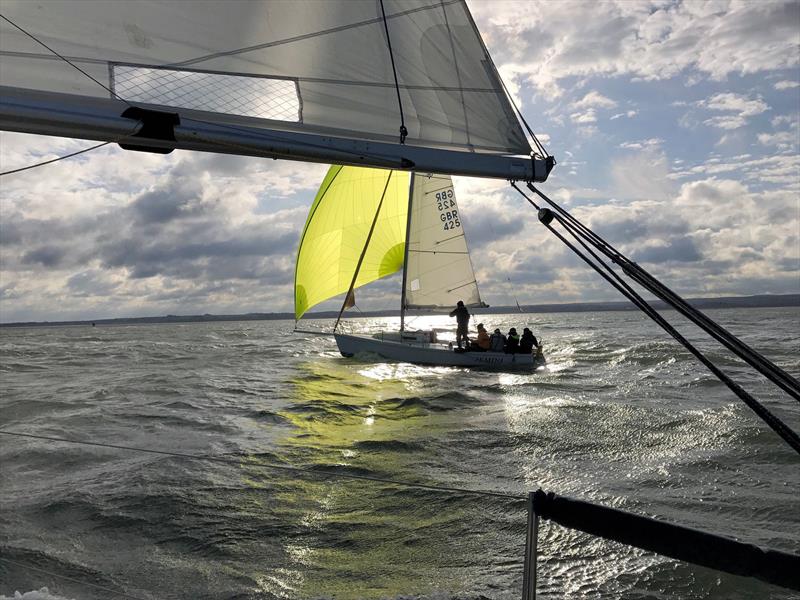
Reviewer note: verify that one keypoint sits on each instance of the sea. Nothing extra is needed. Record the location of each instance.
(242, 460)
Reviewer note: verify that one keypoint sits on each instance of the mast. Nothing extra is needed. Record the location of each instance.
(405, 255)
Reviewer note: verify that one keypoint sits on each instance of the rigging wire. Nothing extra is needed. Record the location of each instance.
(72, 579)
(403, 130)
(763, 365)
(47, 162)
(257, 135)
(65, 59)
(272, 466)
(546, 216)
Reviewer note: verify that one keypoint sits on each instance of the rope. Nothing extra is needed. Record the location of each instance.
(47, 162)
(273, 466)
(403, 130)
(764, 366)
(64, 58)
(72, 579)
(546, 216)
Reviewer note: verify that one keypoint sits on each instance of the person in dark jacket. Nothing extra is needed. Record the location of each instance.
(462, 317)
(527, 342)
(512, 342)
(497, 343)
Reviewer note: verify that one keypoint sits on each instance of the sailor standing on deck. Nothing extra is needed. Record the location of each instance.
(462, 316)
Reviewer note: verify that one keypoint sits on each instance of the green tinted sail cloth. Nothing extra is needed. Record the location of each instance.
(337, 228)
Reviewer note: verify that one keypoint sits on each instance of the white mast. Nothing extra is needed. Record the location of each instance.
(405, 255)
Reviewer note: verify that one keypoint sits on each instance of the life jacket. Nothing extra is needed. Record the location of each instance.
(512, 344)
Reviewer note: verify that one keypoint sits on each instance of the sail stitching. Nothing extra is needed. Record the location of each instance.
(364, 251)
(458, 72)
(307, 36)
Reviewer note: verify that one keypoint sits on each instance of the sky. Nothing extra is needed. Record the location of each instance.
(675, 125)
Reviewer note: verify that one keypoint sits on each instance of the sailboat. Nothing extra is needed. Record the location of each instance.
(367, 224)
(400, 85)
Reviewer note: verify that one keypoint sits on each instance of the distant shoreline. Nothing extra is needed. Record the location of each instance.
(760, 301)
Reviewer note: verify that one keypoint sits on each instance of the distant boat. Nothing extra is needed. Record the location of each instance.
(366, 224)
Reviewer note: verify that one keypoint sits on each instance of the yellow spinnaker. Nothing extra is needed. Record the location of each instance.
(337, 228)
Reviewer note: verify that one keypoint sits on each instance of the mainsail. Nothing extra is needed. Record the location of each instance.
(324, 81)
(438, 268)
(357, 225)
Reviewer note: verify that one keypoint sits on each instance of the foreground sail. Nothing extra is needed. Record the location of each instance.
(404, 84)
(366, 224)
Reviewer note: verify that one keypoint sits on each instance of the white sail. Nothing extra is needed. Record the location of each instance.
(438, 269)
(320, 67)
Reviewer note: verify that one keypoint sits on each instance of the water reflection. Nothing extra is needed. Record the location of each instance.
(355, 538)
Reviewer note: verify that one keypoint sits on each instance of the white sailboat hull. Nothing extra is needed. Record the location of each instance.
(433, 354)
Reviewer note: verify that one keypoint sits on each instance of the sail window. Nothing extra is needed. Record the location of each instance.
(244, 95)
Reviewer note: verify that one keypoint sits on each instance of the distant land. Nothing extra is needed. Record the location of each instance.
(761, 301)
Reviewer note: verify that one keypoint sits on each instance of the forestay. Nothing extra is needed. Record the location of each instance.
(320, 67)
(438, 269)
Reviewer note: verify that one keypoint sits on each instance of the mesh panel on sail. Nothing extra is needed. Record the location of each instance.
(321, 67)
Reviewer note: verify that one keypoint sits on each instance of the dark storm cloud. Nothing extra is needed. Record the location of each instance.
(9, 233)
(677, 250)
(90, 283)
(179, 198)
(47, 256)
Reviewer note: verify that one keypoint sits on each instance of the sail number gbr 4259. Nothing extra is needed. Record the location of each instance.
(448, 211)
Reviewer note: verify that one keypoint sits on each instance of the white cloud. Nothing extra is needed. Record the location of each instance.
(649, 143)
(746, 107)
(593, 100)
(589, 116)
(741, 106)
(786, 85)
(645, 40)
(630, 114)
(784, 140)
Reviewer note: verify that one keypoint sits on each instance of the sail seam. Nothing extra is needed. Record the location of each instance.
(353, 82)
(306, 36)
(364, 251)
(458, 72)
(305, 230)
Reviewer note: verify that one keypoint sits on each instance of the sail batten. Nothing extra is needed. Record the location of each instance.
(438, 268)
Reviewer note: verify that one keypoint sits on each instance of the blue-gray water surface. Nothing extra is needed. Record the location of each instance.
(622, 416)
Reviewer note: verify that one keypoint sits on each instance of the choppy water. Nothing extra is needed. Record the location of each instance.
(622, 416)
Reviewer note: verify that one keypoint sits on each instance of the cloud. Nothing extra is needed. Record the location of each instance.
(640, 145)
(742, 107)
(630, 114)
(786, 85)
(644, 40)
(582, 118)
(593, 100)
